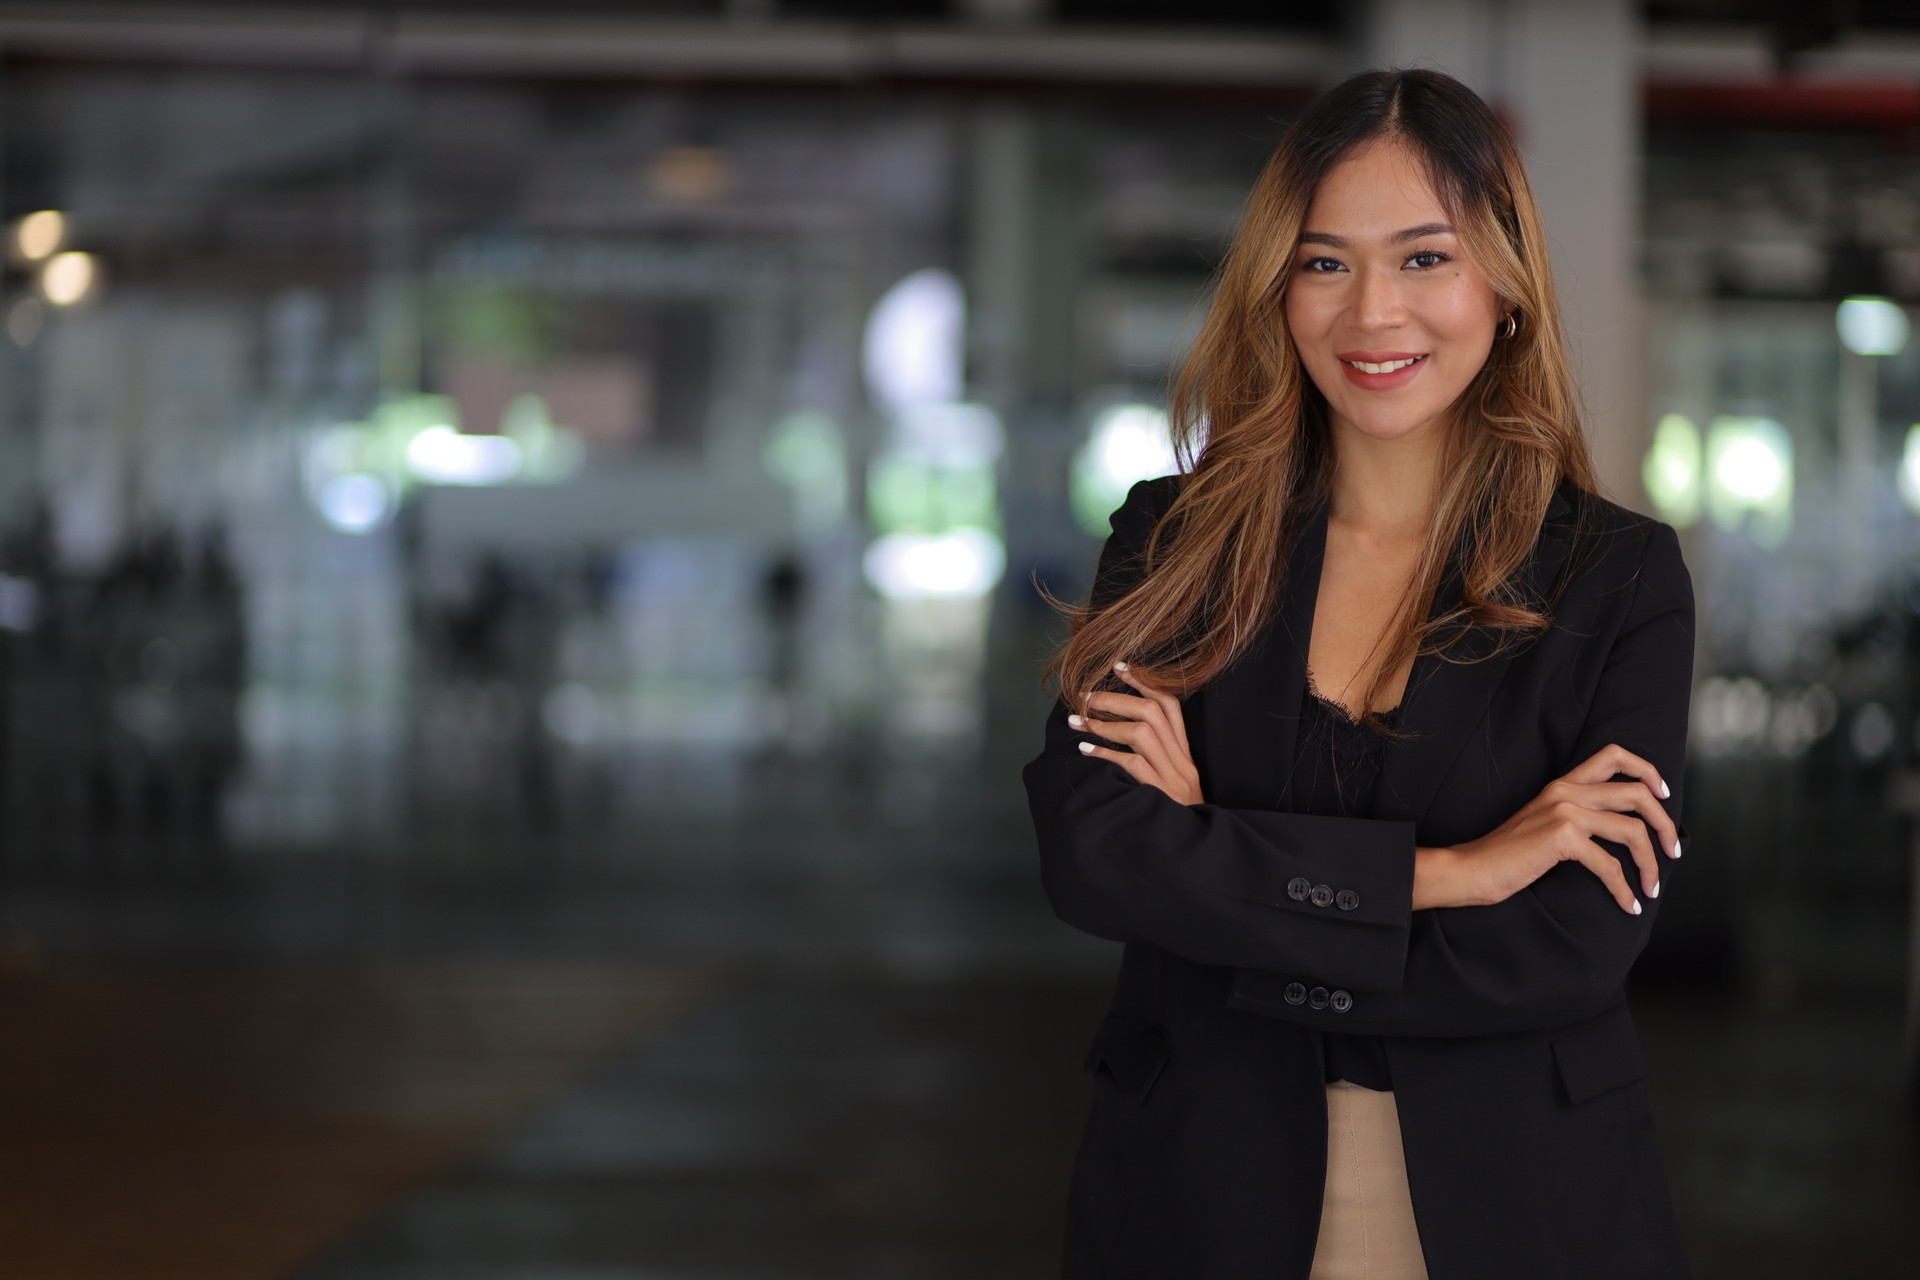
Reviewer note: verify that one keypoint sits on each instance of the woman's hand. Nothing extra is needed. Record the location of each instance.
(1559, 825)
(1151, 726)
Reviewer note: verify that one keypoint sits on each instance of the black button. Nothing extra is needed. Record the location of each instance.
(1317, 997)
(1296, 993)
(1297, 888)
(1342, 1002)
(1346, 899)
(1322, 895)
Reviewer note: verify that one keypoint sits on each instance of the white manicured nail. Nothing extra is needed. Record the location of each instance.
(1676, 846)
(1636, 908)
(1655, 891)
(1086, 748)
(1075, 721)
(1666, 792)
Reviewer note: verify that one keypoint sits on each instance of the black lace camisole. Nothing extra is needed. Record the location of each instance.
(1336, 768)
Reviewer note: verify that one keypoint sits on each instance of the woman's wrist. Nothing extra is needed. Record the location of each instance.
(1442, 877)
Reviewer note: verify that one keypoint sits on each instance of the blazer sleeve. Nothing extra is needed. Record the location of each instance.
(1560, 949)
(1127, 862)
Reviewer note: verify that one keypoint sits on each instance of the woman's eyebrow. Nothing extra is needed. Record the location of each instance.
(1399, 237)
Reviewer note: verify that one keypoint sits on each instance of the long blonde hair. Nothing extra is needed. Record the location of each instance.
(1252, 431)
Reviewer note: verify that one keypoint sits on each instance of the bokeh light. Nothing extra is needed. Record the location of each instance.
(1671, 470)
(1872, 326)
(40, 234)
(1126, 443)
(1749, 468)
(957, 565)
(70, 278)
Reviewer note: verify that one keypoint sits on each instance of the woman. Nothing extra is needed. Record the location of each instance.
(1369, 749)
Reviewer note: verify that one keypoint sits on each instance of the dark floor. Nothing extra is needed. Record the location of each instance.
(835, 1128)
(865, 1069)
(864, 1127)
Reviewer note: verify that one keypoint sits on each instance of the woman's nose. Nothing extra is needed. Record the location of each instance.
(1378, 304)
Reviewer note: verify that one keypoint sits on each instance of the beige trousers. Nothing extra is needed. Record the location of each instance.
(1366, 1220)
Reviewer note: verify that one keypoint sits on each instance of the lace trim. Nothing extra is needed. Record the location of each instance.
(1340, 708)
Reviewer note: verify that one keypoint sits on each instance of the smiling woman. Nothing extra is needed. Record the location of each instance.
(1369, 750)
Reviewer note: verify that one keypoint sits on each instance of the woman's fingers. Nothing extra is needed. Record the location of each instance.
(1614, 758)
(1585, 805)
(1143, 737)
(1136, 765)
(1151, 731)
(1121, 707)
(1178, 783)
(1627, 829)
(1635, 797)
(1628, 807)
(1168, 704)
(1602, 864)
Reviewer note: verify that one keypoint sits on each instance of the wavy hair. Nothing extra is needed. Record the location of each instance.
(1251, 429)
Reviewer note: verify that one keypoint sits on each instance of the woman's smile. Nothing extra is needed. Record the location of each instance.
(1381, 371)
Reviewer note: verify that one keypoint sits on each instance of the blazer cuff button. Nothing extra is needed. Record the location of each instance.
(1341, 1001)
(1322, 895)
(1298, 888)
(1346, 899)
(1296, 993)
(1317, 997)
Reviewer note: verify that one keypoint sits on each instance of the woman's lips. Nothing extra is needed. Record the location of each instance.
(1399, 377)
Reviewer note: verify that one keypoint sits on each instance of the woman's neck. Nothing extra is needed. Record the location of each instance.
(1384, 488)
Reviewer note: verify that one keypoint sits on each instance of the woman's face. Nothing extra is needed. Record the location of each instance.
(1389, 316)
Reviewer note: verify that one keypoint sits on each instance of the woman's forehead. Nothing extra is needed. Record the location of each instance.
(1374, 194)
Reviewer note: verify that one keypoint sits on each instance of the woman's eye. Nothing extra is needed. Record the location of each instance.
(1429, 259)
(1320, 266)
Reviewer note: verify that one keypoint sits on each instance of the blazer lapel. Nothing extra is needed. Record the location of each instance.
(1253, 709)
(1252, 712)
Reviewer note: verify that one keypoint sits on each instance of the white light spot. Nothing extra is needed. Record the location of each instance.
(912, 349)
(39, 234)
(354, 503)
(1750, 469)
(911, 566)
(68, 278)
(1872, 326)
(441, 455)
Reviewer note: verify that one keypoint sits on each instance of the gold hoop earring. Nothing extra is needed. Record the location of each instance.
(1512, 326)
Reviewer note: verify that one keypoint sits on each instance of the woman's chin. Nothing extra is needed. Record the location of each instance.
(1387, 427)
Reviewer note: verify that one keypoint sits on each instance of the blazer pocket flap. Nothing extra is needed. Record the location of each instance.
(1599, 1054)
(1132, 1049)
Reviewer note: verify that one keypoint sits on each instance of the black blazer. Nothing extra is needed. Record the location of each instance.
(1249, 930)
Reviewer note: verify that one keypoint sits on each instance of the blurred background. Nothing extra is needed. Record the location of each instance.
(518, 532)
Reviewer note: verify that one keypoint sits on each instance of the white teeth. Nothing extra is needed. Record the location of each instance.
(1388, 367)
